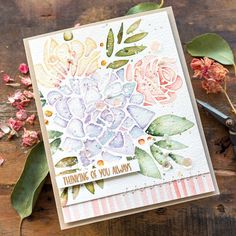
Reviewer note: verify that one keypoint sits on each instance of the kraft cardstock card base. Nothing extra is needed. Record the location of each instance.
(118, 117)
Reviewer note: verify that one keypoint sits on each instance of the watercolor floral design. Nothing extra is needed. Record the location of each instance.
(102, 116)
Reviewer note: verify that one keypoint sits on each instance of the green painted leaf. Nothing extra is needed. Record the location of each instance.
(169, 125)
(110, 43)
(184, 161)
(129, 51)
(160, 157)
(146, 163)
(30, 183)
(75, 191)
(67, 162)
(52, 134)
(90, 187)
(117, 64)
(100, 183)
(120, 34)
(64, 196)
(136, 37)
(66, 172)
(54, 145)
(133, 27)
(213, 46)
(170, 144)
(144, 6)
(43, 102)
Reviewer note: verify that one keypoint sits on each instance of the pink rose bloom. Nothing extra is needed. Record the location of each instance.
(156, 79)
(15, 124)
(30, 119)
(21, 114)
(30, 138)
(6, 78)
(23, 68)
(26, 81)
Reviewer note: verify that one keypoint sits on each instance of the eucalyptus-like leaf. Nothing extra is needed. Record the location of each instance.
(144, 6)
(170, 144)
(110, 43)
(90, 187)
(54, 145)
(100, 183)
(66, 162)
(160, 157)
(184, 161)
(133, 27)
(75, 191)
(52, 134)
(120, 33)
(64, 196)
(130, 51)
(169, 125)
(136, 37)
(117, 64)
(147, 164)
(30, 183)
(213, 46)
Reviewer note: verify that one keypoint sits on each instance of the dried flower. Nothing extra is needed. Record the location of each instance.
(211, 86)
(26, 80)
(208, 69)
(28, 94)
(15, 124)
(30, 119)
(21, 114)
(6, 78)
(23, 68)
(30, 138)
(19, 100)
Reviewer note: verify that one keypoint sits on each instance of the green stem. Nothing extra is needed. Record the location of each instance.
(235, 69)
(20, 226)
(230, 102)
(161, 4)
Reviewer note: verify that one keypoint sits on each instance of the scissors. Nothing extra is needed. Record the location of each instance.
(227, 121)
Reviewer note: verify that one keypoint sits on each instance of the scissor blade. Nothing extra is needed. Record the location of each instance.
(220, 116)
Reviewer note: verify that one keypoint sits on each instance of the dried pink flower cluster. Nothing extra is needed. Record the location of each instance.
(212, 73)
(20, 100)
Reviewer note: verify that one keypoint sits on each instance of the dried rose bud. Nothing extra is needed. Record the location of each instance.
(30, 119)
(26, 81)
(23, 68)
(6, 78)
(28, 94)
(15, 124)
(21, 114)
(30, 138)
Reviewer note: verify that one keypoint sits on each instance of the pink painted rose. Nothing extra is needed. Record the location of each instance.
(156, 79)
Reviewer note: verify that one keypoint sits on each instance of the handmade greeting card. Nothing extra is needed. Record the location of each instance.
(118, 117)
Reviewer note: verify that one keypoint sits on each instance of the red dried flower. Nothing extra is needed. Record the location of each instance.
(211, 86)
(30, 138)
(26, 81)
(23, 68)
(208, 69)
(30, 119)
(6, 78)
(21, 114)
(15, 124)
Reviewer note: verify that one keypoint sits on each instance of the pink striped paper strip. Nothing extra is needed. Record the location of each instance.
(139, 198)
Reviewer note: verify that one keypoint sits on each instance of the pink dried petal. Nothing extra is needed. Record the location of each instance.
(28, 94)
(6, 78)
(23, 68)
(30, 138)
(16, 96)
(26, 81)
(15, 124)
(1, 160)
(30, 119)
(21, 114)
